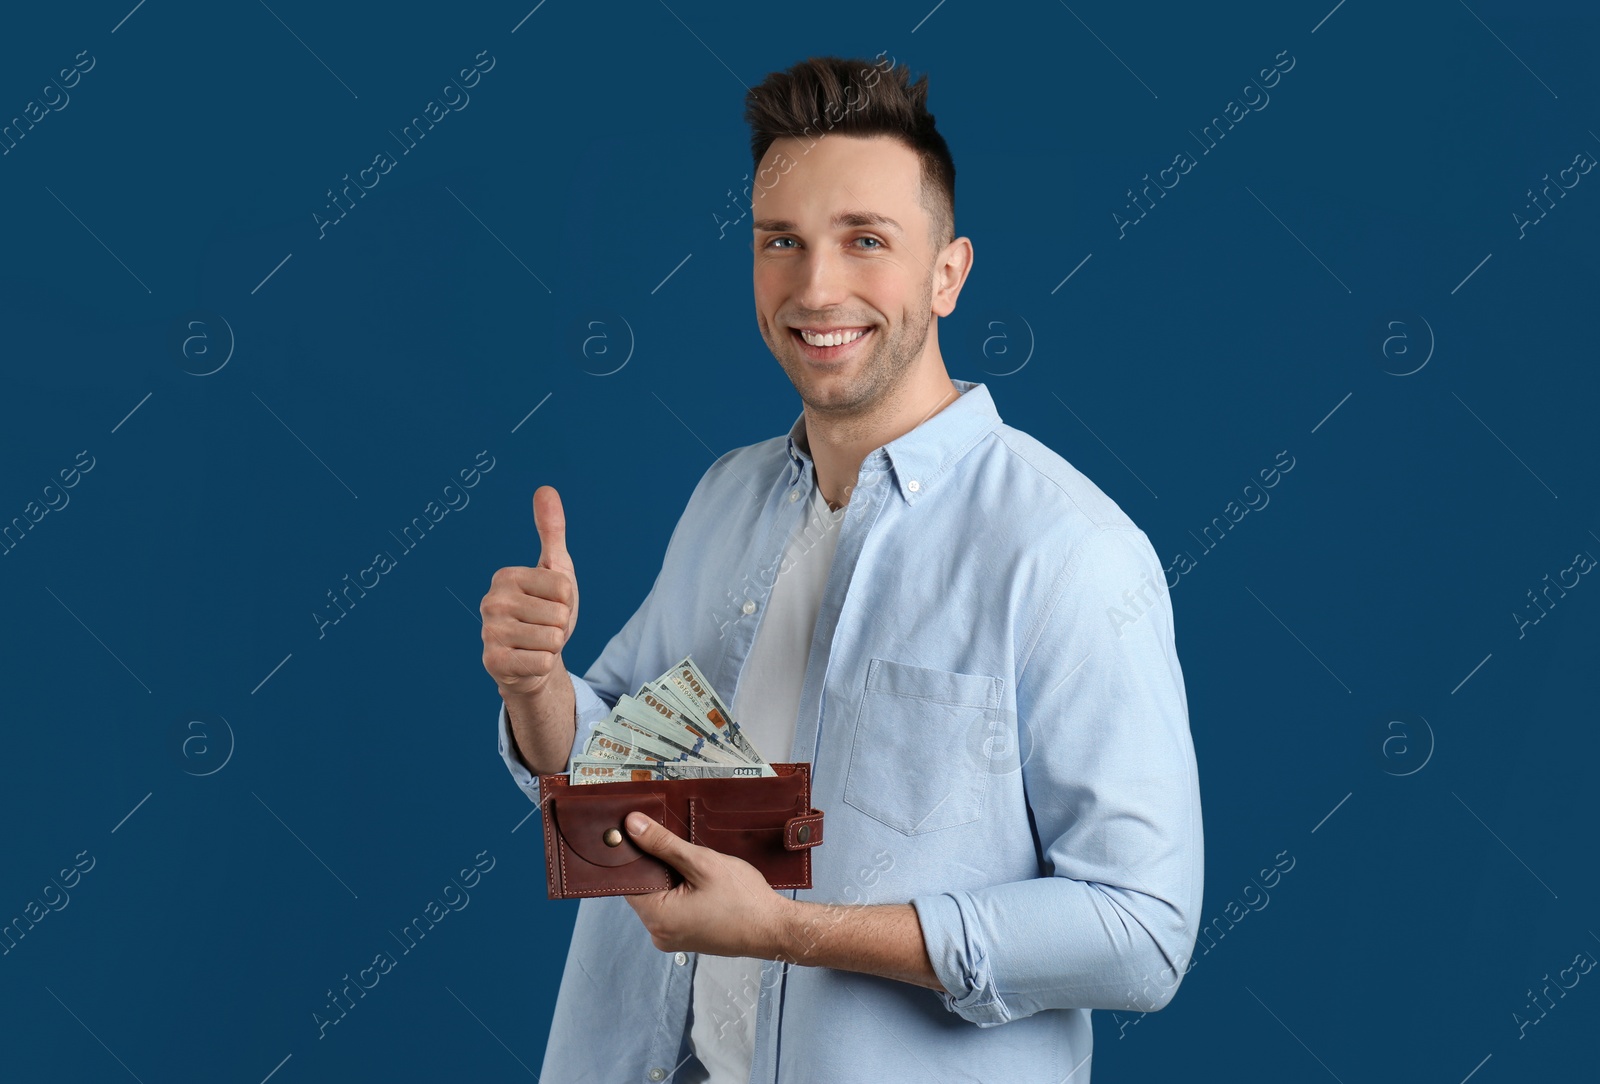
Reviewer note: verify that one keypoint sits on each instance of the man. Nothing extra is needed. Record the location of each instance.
(970, 643)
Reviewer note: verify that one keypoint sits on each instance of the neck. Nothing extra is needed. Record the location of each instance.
(838, 443)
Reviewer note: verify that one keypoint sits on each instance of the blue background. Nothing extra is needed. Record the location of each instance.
(1359, 224)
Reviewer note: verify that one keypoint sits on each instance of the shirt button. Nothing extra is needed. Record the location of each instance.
(794, 495)
(680, 958)
(913, 485)
(657, 1073)
(749, 606)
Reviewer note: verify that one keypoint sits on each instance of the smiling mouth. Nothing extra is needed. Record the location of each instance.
(836, 351)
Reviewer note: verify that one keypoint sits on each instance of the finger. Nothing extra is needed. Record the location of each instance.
(651, 837)
(518, 636)
(547, 583)
(551, 522)
(645, 904)
(555, 584)
(525, 609)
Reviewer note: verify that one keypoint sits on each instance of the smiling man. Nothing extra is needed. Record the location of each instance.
(913, 597)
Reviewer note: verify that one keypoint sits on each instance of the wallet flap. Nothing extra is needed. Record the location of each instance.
(591, 824)
(803, 831)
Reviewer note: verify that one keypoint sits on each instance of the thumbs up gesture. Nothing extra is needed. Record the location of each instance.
(529, 613)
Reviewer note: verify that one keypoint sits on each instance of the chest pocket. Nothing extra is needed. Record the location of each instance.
(912, 762)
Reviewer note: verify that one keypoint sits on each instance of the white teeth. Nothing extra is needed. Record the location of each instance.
(836, 338)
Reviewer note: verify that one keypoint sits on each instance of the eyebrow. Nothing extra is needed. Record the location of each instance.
(842, 220)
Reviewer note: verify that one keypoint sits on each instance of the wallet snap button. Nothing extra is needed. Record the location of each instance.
(804, 834)
(612, 837)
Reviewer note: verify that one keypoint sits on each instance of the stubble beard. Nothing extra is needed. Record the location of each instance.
(878, 378)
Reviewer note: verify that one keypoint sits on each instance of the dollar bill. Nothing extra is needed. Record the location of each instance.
(675, 727)
(696, 692)
(614, 739)
(665, 722)
(605, 747)
(662, 695)
(586, 770)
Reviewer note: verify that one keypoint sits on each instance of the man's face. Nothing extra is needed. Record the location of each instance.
(822, 263)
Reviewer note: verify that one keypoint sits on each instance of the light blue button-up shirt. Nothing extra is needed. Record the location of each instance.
(996, 722)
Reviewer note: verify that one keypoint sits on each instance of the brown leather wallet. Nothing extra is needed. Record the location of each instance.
(765, 820)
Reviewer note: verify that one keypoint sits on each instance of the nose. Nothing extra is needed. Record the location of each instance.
(823, 281)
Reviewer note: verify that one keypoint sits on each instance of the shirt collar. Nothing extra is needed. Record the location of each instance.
(920, 457)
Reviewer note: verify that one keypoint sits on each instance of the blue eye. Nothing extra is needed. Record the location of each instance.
(876, 242)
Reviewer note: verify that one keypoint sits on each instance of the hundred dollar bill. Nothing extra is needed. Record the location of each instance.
(605, 747)
(662, 696)
(614, 739)
(693, 688)
(669, 724)
(585, 770)
(668, 693)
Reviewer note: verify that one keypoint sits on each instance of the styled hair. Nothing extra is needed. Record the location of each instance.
(823, 95)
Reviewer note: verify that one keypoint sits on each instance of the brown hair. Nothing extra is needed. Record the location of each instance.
(860, 98)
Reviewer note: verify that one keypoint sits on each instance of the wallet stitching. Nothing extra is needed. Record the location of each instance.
(694, 807)
(790, 831)
(550, 867)
(561, 854)
(801, 769)
(607, 889)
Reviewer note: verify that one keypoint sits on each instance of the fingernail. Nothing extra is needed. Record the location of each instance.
(637, 823)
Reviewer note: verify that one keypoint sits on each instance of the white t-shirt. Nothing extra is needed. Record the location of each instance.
(725, 987)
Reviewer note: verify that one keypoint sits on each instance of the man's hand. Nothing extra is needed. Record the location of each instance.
(529, 613)
(723, 907)
(726, 908)
(528, 617)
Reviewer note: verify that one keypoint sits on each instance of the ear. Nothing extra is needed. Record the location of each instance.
(950, 270)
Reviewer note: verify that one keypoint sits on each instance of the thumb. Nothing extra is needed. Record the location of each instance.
(653, 838)
(551, 523)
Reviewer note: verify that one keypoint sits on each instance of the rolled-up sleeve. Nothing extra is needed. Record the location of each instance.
(1113, 791)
